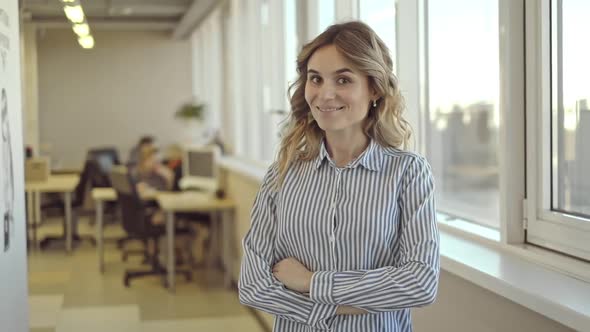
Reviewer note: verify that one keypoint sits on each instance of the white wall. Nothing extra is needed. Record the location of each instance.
(129, 85)
(13, 260)
(464, 306)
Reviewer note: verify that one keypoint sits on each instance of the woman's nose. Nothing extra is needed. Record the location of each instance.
(327, 92)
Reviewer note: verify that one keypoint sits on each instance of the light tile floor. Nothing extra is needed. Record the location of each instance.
(68, 294)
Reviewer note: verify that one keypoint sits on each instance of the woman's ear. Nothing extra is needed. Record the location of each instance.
(373, 92)
(374, 96)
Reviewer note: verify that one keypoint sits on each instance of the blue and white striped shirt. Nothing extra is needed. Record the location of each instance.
(367, 230)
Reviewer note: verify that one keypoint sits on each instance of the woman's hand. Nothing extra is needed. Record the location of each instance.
(293, 274)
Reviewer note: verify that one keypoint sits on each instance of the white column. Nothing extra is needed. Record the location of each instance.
(30, 86)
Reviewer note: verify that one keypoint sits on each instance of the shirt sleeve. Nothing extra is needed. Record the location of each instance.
(413, 281)
(258, 288)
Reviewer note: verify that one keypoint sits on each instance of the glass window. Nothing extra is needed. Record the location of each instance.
(570, 120)
(463, 115)
(380, 15)
(327, 14)
(291, 40)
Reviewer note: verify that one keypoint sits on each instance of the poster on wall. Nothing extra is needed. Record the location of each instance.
(13, 246)
(6, 156)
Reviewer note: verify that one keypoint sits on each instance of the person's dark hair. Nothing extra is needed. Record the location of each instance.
(146, 140)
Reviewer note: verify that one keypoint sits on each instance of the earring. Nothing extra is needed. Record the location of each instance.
(375, 103)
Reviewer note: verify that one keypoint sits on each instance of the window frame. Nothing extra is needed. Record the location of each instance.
(546, 228)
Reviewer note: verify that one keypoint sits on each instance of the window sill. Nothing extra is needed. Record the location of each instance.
(250, 169)
(548, 283)
(507, 273)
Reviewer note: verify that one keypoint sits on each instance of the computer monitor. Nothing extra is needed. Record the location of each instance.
(105, 157)
(199, 168)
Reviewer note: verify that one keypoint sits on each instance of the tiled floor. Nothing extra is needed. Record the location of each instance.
(68, 294)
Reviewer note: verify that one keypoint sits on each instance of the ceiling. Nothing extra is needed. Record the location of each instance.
(162, 12)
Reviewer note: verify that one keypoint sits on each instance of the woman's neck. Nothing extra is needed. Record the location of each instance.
(345, 147)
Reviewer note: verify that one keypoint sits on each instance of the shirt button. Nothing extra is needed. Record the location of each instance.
(332, 239)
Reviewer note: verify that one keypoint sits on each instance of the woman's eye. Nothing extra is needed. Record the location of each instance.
(343, 80)
(315, 79)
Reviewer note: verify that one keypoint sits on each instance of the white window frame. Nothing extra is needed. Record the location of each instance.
(235, 74)
(412, 43)
(545, 228)
(347, 10)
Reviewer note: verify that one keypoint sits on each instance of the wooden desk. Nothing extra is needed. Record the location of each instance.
(64, 184)
(66, 171)
(173, 202)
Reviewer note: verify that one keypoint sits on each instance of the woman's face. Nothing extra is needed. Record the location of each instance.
(337, 93)
(150, 162)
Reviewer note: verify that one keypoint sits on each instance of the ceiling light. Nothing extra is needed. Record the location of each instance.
(81, 29)
(86, 41)
(68, 1)
(74, 13)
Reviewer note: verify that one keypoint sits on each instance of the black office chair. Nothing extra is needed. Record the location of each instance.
(95, 173)
(137, 223)
(89, 172)
(107, 158)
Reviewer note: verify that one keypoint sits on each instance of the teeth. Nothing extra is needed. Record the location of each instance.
(330, 109)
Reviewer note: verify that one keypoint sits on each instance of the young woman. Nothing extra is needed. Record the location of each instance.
(151, 173)
(343, 233)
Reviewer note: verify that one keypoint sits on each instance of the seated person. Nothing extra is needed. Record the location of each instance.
(174, 162)
(136, 150)
(151, 174)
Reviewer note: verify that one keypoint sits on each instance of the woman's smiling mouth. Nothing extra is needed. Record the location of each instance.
(329, 109)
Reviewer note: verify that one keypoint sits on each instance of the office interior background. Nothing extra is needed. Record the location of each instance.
(496, 92)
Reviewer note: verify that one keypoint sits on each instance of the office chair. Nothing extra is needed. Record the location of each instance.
(137, 223)
(107, 158)
(89, 172)
(94, 174)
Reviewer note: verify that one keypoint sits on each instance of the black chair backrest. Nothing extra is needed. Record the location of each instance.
(133, 211)
(88, 178)
(105, 158)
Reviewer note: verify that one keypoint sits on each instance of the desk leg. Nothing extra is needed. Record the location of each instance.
(68, 209)
(99, 235)
(170, 242)
(31, 227)
(214, 254)
(226, 250)
(37, 205)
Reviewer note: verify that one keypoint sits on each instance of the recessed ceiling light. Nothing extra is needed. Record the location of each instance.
(74, 13)
(81, 29)
(86, 42)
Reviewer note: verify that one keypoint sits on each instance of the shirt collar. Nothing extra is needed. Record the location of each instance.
(371, 158)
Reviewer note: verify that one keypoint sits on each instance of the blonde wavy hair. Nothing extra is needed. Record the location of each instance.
(359, 44)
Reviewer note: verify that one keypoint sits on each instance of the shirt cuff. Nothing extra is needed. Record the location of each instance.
(321, 287)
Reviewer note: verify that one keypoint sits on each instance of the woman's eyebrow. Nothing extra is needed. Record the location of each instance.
(336, 72)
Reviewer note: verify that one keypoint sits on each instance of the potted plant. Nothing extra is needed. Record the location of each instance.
(192, 114)
(191, 111)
